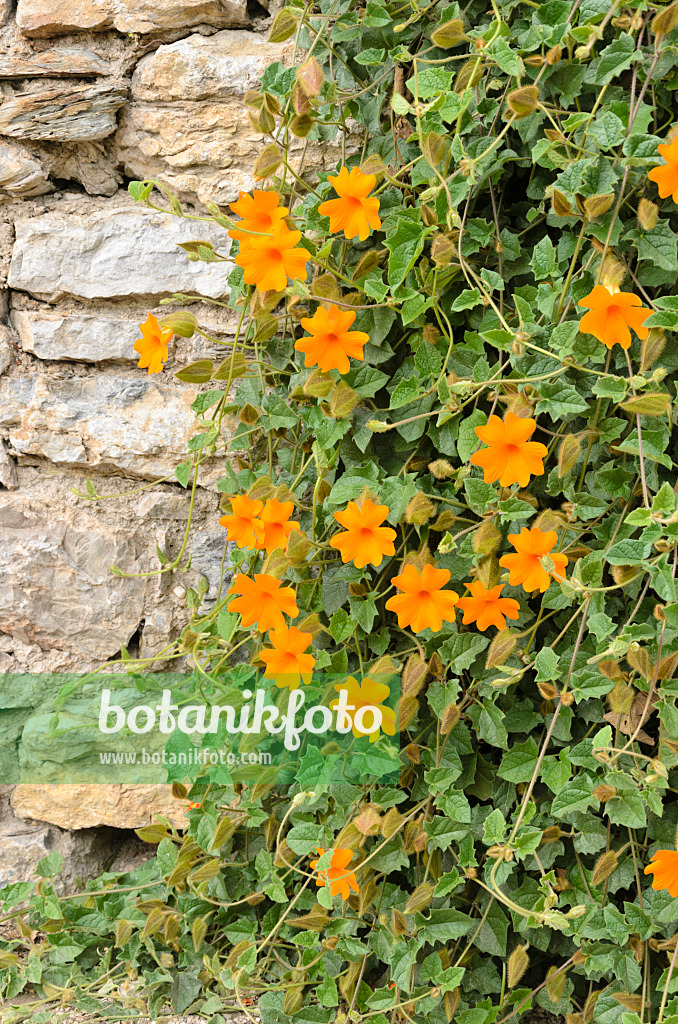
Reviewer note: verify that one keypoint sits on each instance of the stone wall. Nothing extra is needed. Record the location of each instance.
(95, 93)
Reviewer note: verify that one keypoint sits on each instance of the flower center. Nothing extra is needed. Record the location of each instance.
(424, 595)
(274, 255)
(354, 202)
(365, 531)
(332, 339)
(512, 449)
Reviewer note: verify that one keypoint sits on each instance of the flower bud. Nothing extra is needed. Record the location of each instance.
(284, 26)
(648, 214)
(183, 324)
(666, 20)
(449, 34)
(524, 101)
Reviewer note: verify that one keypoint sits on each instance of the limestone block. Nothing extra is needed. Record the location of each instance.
(90, 163)
(8, 477)
(201, 142)
(103, 421)
(64, 113)
(57, 589)
(85, 806)
(206, 67)
(56, 63)
(21, 173)
(83, 337)
(61, 608)
(116, 253)
(85, 853)
(50, 18)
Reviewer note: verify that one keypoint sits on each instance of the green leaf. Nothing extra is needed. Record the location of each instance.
(406, 391)
(468, 441)
(614, 59)
(627, 808)
(659, 246)
(544, 261)
(560, 400)
(443, 925)
(519, 763)
(462, 650)
(404, 243)
(628, 552)
(577, 796)
(509, 61)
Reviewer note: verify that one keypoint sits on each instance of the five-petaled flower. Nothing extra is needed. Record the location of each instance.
(486, 608)
(423, 603)
(260, 213)
(269, 260)
(611, 314)
(353, 213)
(363, 540)
(664, 866)
(331, 343)
(152, 345)
(342, 882)
(665, 175)
(510, 457)
(263, 601)
(243, 525)
(286, 661)
(275, 520)
(526, 566)
(368, 695)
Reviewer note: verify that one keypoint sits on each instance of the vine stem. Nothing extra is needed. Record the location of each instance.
(665, 993)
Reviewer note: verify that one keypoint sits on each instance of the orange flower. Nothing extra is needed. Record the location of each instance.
(611, 315)
(353, 213)
(664, 865)
(260, 212)
(243, 526)
(152, 345)
(666, 176)
(269, 261)
(367, 694)
(286, 662)
(263, 601)
(526, 566)
(364, 539)
(192, 807)
(510, 457)
(277, 529)
(424, 604)
(486, 607)
(341, 881)
(331, 342)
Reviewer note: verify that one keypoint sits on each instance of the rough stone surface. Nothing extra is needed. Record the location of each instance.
(187, 125)
(90, 163)
(21, 173)
(79, 274)
(84, 806)
(129, 252)
(64, 113)
(61, 608)
(86, 853)
(221, 66)
(67, 60)
(83, 337)
(47, 18)
(103, 421)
